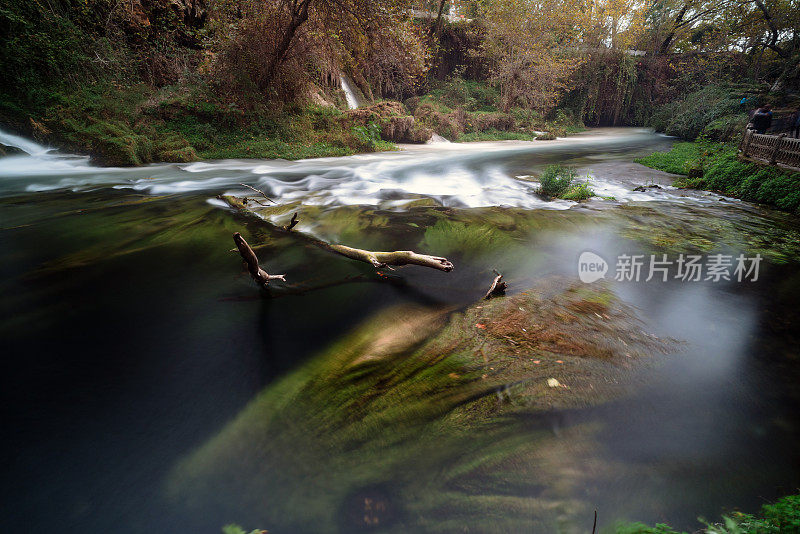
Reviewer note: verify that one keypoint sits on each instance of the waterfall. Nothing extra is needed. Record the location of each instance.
(26, 145)
(350, 93)
(37, 160)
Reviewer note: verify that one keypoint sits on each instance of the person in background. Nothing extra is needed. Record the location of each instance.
(795, 124)
(762, 119)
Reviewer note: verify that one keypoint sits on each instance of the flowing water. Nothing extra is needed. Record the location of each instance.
(132, 342)
(352, 95)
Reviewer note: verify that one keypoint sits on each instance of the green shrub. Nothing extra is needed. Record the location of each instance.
(714, 110)
(727, 128)
(579, 192)
(471, 95)
(783, 517)
(716, 167)
(368, 135)
(784, 514)
(555, 181)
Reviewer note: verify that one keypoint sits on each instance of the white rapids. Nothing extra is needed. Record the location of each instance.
(450, 174)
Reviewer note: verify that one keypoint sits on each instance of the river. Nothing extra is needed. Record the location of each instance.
(131, 338)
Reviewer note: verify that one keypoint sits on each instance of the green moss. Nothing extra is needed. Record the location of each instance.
(675, 160)
(418, 397)
(716, 166)
(495, 135)
(466, 238)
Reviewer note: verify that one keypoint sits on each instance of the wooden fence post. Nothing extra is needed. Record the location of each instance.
(746, 141)
(773, 158)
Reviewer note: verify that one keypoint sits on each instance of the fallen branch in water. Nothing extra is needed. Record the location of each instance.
(397, 258)
(260, 276)
(378, 260)
(258, 191)
(292, 223)
(498, 287)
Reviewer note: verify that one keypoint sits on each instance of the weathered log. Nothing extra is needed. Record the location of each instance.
(395, 258)
(497, 288)
(260, 276)
(379, 260)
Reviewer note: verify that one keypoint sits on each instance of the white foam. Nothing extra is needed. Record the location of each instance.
(451, 174)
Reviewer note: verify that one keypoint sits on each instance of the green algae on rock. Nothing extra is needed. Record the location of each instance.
(453, 401)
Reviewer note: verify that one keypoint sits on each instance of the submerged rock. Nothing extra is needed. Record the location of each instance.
(433, 401)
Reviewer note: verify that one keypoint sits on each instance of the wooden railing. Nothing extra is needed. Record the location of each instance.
(777, 150)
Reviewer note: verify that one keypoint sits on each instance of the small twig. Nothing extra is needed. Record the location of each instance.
(497, 288)
(258, 191)
(292, 223)
(594, 527)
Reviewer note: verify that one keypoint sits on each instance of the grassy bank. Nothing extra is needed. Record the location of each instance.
(715, 167)
(463, 110)
(781, 517)
(139, 124)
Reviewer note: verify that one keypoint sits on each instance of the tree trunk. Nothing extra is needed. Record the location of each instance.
(675, 25)
(298, 13)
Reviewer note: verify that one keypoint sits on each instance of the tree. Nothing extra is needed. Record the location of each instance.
(280, 47)
(531, 48)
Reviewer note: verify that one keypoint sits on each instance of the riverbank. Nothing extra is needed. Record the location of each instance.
(782, 516)
(716, 167)
(139, 124)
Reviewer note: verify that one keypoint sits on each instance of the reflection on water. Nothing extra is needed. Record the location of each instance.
(134, 344)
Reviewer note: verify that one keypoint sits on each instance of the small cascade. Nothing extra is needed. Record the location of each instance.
(37, 160)
(351, 92)
(26, 145)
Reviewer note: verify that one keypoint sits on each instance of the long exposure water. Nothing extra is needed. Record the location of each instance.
(132, 339)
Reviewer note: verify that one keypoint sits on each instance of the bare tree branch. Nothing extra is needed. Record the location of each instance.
(497, 288)
(378, 260)
(260, 276)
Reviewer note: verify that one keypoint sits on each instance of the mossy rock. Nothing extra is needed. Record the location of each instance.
(428, 412)
(6, 150)
(117, 143)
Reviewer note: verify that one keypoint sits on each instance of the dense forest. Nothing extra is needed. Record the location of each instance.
(135, 81)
